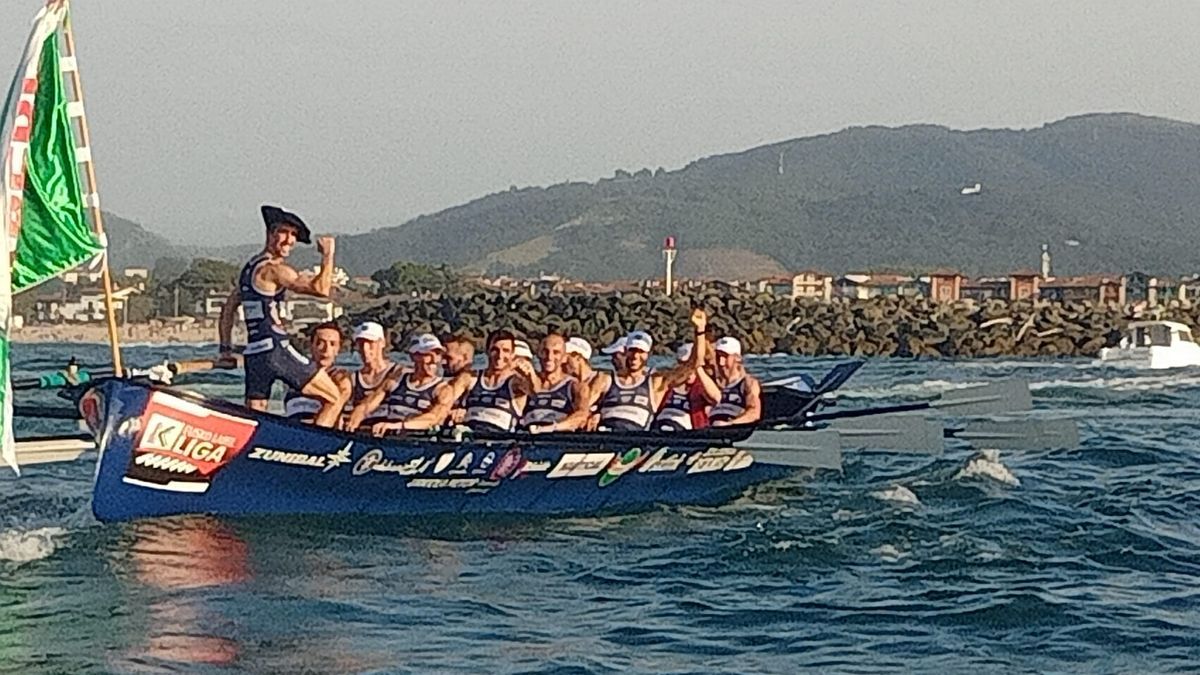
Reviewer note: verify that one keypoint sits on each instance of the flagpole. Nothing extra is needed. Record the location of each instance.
(93, 195)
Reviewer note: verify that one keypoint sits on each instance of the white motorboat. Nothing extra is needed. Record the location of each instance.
(1154, 344)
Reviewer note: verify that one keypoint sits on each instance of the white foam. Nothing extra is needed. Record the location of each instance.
(889, 553)
(28, 545)
(987, 464)
(897, 494)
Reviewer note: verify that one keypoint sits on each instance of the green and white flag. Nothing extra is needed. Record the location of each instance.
(46, 227)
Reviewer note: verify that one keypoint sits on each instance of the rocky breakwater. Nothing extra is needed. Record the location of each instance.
(884, 326)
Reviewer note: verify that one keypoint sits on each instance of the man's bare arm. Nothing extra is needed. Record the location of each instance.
(225, 323)
(318, 285)
(373, 400)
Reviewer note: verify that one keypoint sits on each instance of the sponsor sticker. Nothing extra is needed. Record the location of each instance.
(577, 465)
(719, 459)
(621, 465)
(326, 463)
(662, 460)
(181, 445)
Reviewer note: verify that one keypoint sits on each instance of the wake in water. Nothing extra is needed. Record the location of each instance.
(22, 546)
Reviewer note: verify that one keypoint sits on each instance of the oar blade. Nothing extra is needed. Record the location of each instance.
(816, 449)
(53, 449)
(892, 433)
(1020, 434)
(993, 398)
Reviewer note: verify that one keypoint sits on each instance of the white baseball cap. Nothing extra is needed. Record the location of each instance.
(578, 345)
(729, 345)
(639, 339)
(521, 350)
(425, 343)
(616, 347)
(684, 352)
(369, 331)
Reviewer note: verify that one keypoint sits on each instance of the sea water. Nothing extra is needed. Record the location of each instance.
(1082, 560)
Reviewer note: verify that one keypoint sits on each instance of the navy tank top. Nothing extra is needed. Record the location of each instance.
(732, 403)
(550, 406)
(676, 412)
(492, 409)
(261, 311)
(627, 408)
(406, 401)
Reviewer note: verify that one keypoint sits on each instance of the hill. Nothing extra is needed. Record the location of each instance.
(1124, 186)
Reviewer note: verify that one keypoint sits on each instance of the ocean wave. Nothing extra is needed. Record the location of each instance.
(22, 546)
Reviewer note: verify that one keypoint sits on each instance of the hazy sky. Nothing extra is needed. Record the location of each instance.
(361, 114)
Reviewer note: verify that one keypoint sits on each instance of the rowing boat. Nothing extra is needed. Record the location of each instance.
(163, 452)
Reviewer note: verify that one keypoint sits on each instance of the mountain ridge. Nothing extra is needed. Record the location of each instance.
(1122, 184)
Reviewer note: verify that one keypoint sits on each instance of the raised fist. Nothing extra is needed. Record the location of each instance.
(325, 246)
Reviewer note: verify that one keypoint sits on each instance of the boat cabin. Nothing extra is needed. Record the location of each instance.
(1155, 334)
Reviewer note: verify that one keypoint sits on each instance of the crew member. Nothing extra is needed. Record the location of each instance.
(415, 400)
(456, 367)
(740, 392)
(560, 402)
(371, 343)
(497, 396)
(634, 396)
(324, 344)
(262, 285)
(686, 406)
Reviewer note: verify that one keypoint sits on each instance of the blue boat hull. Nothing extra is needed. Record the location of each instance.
(164, 453)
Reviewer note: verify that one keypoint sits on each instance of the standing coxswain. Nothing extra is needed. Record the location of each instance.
(635, 396)
(262, 285)
(741, 394)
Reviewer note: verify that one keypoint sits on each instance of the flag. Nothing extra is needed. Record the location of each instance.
(46, 228)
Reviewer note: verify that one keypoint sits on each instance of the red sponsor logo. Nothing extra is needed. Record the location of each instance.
(186, 432)
(14, 153)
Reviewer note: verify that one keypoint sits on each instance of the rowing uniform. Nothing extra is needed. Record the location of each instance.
(732, 403)
(268, 355)
(492, 409)
(676, 412)
(297, 406)
(406, 401)
(627, 408)
(359, 391)
(550, 406)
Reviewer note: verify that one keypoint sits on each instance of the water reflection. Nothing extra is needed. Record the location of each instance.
(168, 560)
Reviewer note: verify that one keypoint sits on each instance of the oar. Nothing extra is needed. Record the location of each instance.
(817, 449)
(66, 378)
(53, 449)
(993, 398)
(893, 433)
(1019, 434)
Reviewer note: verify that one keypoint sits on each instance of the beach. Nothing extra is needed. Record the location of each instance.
(183, 331)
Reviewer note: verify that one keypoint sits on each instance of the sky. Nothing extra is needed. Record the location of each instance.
(364, 114)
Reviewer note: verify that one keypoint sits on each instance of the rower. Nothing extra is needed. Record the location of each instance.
(371, 343)
(634, 396)
(741, 395)
(262, 285)
(686, 406)
(456, 367)
(616, 352)
(416, 400)
(325, 342)
(560, 402)
(497, 396)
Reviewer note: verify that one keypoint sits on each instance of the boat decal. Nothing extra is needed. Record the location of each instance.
(577, 465)
(719, 459)
(326, 463)
(181, 446)
(621, 465)
(662, 460)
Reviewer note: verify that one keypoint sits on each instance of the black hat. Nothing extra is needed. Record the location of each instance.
(273, 215)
